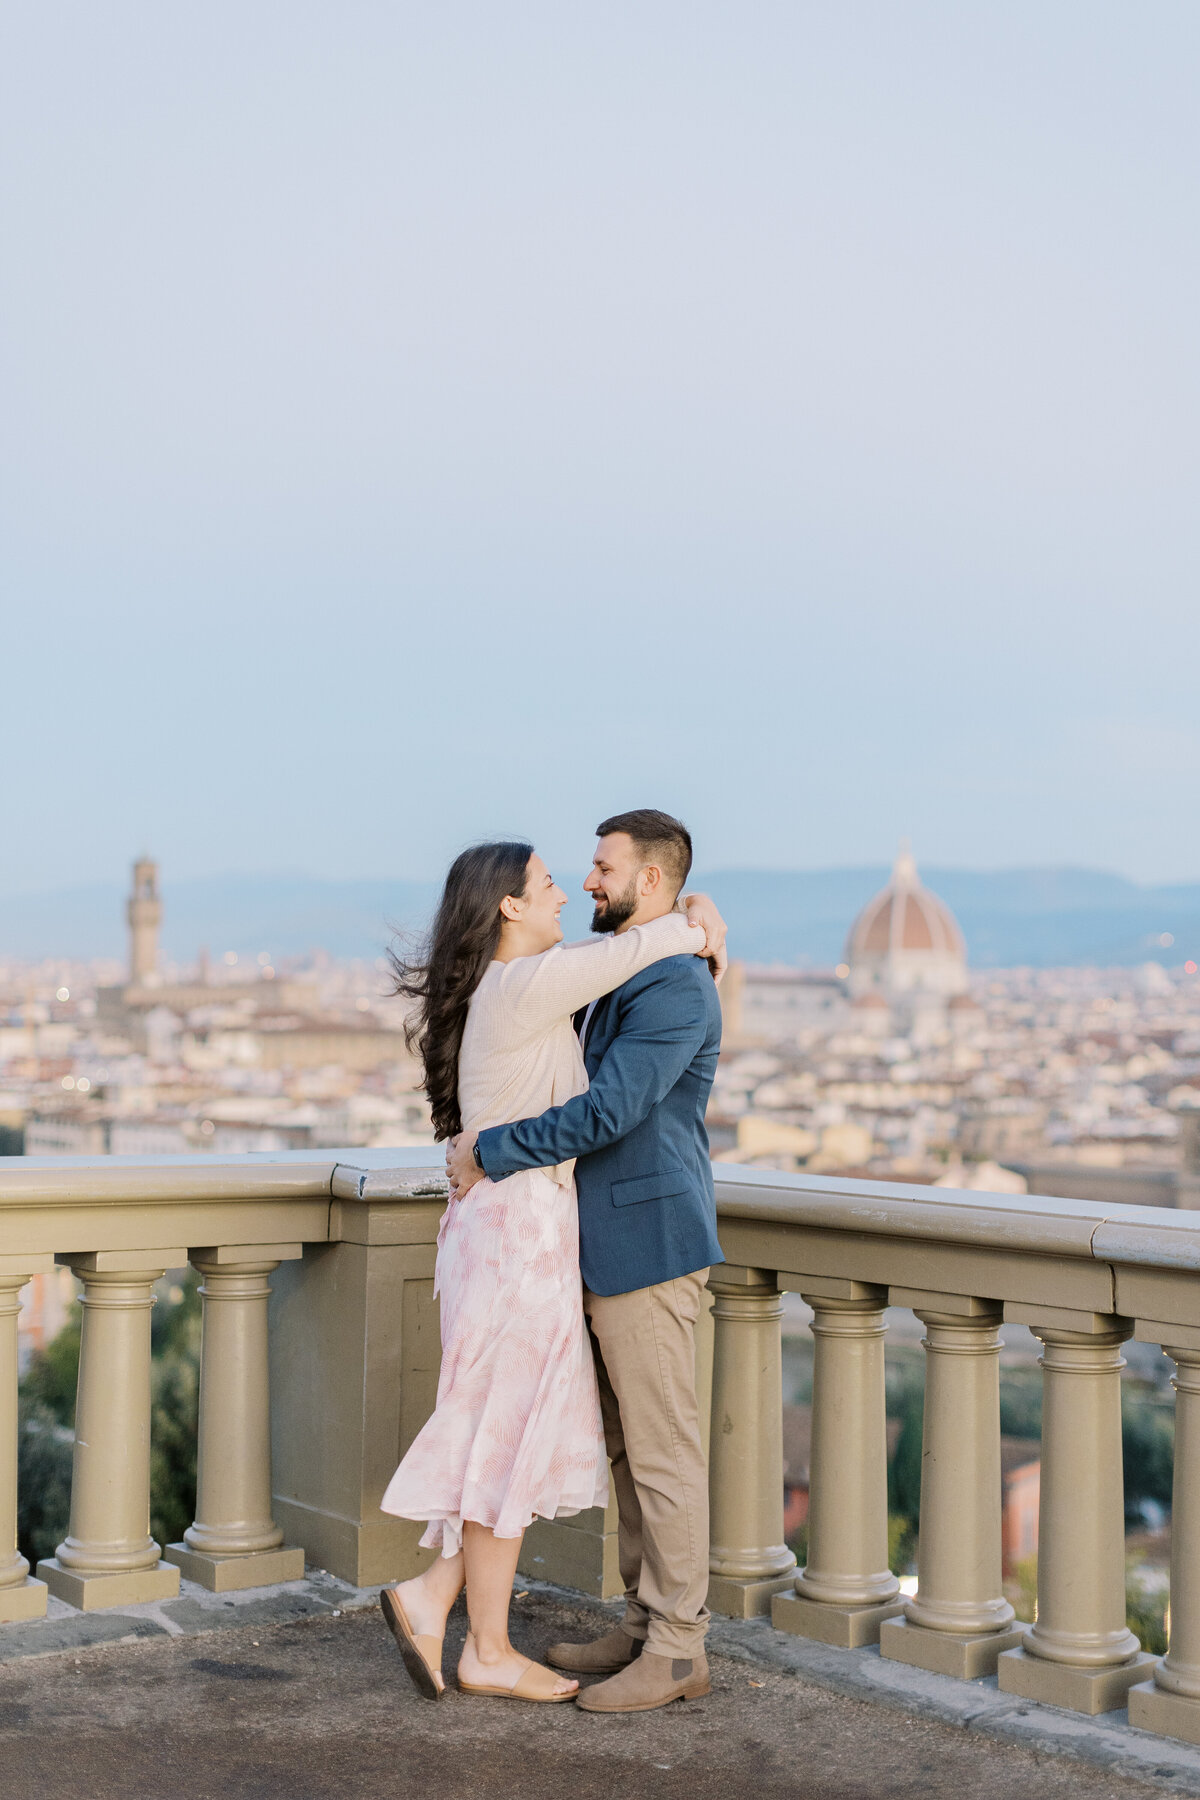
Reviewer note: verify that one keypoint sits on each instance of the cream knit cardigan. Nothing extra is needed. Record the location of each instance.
(519, 1052)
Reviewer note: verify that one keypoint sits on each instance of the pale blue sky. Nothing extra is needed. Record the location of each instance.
(422, 421)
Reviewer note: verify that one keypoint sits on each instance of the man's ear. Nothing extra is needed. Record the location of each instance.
(650, 881)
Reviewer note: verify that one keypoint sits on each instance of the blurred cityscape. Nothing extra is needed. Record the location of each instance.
(900, 1064)
(897, 1064)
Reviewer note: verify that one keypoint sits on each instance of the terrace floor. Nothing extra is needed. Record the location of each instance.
(292, 1697)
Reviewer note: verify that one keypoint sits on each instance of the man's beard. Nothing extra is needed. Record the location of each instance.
(615, 913)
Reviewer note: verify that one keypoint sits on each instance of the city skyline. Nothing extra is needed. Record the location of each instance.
(1044, 918)
(899, 1061)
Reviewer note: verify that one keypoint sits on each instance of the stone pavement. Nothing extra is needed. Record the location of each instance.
(299, 1694)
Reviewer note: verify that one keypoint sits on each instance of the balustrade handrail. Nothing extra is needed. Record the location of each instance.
(1155, 1236)
(1146, 1235)
(139, 1180)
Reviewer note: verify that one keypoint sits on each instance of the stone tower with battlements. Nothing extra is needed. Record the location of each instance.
(144, 913)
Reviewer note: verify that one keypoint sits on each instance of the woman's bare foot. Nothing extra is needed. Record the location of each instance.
(425, 1611)
(426, 1601)
(502, 1667)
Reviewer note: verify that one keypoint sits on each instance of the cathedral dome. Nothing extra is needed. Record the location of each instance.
(906, 941)
(904, 916)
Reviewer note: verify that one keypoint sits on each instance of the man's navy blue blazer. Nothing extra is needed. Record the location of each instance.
(647, 1211)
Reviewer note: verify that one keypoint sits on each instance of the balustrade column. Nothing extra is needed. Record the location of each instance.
(108, 1557)
(1080, 1654)
(1171, 1702)
(234, 1541)
(21, 1597)
(846, 1590)
(959, 1621)
(749, 1560)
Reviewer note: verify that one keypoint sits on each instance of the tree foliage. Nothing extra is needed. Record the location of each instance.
(1021, 1402)
(52, 1376)
(904, 1470)
(174, 1417)
(45, 1448)
(1147, 1450)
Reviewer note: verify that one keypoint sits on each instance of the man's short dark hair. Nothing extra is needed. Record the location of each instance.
(657, 838)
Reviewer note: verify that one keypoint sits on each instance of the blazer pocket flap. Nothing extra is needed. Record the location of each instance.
(649, 1187)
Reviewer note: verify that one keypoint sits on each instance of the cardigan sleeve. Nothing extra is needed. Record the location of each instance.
(538, 990)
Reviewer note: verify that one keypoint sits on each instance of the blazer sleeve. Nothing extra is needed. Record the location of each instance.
(662, 1027)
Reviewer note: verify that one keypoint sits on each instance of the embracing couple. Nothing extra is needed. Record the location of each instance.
(571, 1082)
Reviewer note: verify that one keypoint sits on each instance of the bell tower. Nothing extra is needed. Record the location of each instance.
(144, 913)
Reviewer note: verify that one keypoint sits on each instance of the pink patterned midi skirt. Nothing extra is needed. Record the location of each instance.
(516, 1434)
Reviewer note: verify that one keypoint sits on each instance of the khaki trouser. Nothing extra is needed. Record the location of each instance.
(644, 1345)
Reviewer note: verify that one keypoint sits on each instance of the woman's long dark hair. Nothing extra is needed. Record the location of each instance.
(441, 978)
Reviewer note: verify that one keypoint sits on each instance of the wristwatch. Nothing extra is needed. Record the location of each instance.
(476, 1155)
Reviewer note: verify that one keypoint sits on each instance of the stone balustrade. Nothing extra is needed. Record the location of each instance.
(320, 1358)
(119, 1224)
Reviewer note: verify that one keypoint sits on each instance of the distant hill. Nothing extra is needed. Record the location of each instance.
(1044, 917)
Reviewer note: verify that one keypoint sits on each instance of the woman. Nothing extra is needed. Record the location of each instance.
(516, 1434)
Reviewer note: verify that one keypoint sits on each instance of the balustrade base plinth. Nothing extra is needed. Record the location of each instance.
(579, 1552)
(846, 1627)
(965, 1655)
(25, 1600)
(1077, 1689)
(749, 1598)
(127, 1587)
(364, 1552)
(1152, 1708)
(226, 1574)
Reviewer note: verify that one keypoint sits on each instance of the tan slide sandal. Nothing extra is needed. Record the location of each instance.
(422, 1655)
(537, 1682)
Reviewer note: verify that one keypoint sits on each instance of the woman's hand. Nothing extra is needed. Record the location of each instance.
(462, 1171)
(701, 910)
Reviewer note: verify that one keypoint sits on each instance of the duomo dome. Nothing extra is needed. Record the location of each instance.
(906, 946)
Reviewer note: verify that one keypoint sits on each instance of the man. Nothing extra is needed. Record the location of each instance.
(647, 1238)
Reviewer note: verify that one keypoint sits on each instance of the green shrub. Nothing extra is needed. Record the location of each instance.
(1146, 1612)
(902, 1544)
(1022, 1590)
(45, 1449)
(1021, 1402)
(174, 1415)
(798, 1544)
(47, 1415)
(904, 1470)
(1147, 1449)
(51, 1378)
(175, 1321)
